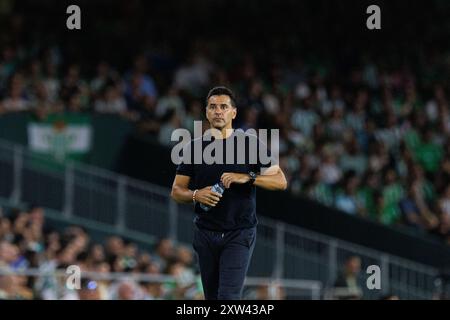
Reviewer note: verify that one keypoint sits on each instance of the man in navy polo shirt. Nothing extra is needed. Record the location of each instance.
(225, 234)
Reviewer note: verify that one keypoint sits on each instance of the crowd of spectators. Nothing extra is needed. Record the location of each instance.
(373, 142)
(41, 261)
(28, 243)
(364, 120)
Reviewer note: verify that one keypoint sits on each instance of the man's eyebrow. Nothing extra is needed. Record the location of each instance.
(215, 104)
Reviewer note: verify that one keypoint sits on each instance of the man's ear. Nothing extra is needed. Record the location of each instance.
(234, 113)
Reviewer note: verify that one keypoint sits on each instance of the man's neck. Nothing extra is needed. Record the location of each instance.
(222, 133)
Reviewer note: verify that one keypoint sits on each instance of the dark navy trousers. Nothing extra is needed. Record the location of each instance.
(224, 258)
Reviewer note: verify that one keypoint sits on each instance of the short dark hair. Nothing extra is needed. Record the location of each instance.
(218, 91)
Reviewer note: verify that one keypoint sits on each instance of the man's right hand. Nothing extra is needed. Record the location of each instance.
(207, 196)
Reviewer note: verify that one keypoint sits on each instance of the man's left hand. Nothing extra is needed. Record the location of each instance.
(230, 177)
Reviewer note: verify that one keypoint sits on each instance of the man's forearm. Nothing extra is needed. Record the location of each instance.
(182, 195)
(275, 181)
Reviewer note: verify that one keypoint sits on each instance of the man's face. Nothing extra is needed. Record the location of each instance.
(354, 265)
(8, 252)
(220, 112)
(165, 249)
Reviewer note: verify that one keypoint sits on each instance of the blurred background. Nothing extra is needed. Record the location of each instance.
(86, 118)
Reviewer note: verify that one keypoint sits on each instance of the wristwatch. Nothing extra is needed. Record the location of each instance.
(252, 177)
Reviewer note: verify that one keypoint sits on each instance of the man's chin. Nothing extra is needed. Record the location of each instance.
(218, 125)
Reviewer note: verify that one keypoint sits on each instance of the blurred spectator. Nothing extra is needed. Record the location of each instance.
(172, 122)
(195, 113)
(392, 193)
(153, 291)
(110, 100)
(423, 195)
(164, 252)
(103, 284)
(171, 102)
(16, 99)
(9, 254)
(348, 278)
(444, 202)
(429, 153)
(185, 256)
(335, 124)
(442, 230)
(353, 158)
(378, 156)
(346, 198)
(74, 90)
(96, 254)
(389, 135)
(140, 88)
(184, 281)
(194, 76)
(7, 287)
(250, 118)
(51, 81)
(114, 246)
(366, 193)
(411, 212)
(304, 118)
(330, 172)
(129, 258)
(105, 77)
(126, 291)
(389, 297)
(267, 292)
(318, 190)
(6, 229)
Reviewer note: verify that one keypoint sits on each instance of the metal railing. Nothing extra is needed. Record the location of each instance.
(61, 282)
(98, 198)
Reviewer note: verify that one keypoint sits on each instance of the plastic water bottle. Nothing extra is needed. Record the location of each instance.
(219, 188)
